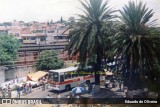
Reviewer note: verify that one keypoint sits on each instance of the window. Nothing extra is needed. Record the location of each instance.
(74, 74)
(33, 38)
(42, 39)
(61, 78)
(53, 76)
(21, 55)
(67, 75)
(55, 37)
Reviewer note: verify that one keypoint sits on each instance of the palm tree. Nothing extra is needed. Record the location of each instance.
(87, 39)
(134, 41)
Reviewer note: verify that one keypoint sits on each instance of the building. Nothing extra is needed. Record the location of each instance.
(37, 37)
(4, 30)
(34, 38)
(15, 31)
(28, 54)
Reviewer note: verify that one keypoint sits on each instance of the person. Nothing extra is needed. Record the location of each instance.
(70, 98)
(89, 88)
(48, 98)
(82, 84)
(13, 81)
(17, 79)
(93, 91)
(18, 91)
(6, 88)
(43, 85)
(30, 87)
(78, 100)
(58, 99)
(9, 92)
(3, 93)
(120, 85)
(27, 88)
(24, 89)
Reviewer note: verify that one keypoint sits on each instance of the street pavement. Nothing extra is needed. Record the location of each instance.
(38, 93)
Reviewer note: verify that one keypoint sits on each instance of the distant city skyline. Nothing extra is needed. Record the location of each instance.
(47, 10)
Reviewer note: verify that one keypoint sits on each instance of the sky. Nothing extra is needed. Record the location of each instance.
(45, 10)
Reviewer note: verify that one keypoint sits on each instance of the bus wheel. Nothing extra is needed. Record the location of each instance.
(88, 82)
(67, 88)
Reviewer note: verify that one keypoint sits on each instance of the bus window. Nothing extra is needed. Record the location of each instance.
(67, 75)
(61, 78)
(74, 74)
(53, 76)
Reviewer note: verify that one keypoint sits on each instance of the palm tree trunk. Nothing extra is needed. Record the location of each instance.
(131, 84)
(97, 74)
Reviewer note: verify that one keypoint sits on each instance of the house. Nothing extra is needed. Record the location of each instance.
(33, 38)
(15, 31)
(4, 29)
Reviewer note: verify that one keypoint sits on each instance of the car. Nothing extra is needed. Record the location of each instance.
(33, 83)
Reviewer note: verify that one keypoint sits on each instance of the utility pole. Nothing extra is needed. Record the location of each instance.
(25, 56)
(39, 49)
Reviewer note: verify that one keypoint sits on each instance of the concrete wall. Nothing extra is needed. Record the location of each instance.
(2, 74)
(21, 71)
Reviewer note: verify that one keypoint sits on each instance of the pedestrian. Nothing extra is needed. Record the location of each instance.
(78, 100)
(43, 86)
(27, 88)
(58, 99)
(18, 91)
(49, 99)
(17, 79)
(24, 89)
(120, 86)
(6, 88)
(90, 88)
(30, 87)
(93, 91)
(9, 92)
(3, 93)
(13, 81)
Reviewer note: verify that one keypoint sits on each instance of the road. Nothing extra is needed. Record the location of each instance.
(38, 93)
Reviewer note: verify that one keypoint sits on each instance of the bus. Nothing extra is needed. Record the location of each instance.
(67, 78)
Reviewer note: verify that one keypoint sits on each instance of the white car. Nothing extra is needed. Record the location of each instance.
(33, 83)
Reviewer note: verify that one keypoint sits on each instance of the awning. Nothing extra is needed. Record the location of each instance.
(37, 75)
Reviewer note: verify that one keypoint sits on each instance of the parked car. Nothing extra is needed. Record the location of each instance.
(33, 83)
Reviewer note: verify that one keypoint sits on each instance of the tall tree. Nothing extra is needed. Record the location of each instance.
(8, 49)
(87, 38)
(134, 40)
(48, 60)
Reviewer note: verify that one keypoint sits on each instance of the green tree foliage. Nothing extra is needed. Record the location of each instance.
(87, 38)
(8, 49)
(134, 40)
(48, 60)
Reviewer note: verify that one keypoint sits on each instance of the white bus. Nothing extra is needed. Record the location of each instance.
(67, 78)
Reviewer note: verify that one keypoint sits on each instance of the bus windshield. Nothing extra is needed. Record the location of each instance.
(53, 76)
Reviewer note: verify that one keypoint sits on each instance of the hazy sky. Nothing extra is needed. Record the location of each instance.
(44, 10)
